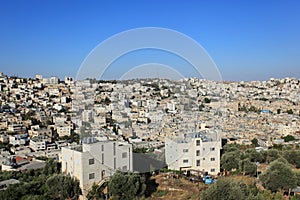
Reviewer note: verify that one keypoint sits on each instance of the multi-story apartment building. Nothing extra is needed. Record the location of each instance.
(38, 143)
(195, 151)
(19, 139)
(51, 80)
(16, 127)
(64, 130)
(95, 160)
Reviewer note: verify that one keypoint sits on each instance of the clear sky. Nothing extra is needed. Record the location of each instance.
(248, 40)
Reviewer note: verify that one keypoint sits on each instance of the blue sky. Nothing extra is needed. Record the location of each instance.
(248, 40)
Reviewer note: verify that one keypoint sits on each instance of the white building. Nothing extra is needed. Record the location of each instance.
(94, 160)
(4, 138)
(38, 143)
(69, 80)
(16, 127)
(51, 80)
(195, 151)
(87, 115)
(19, 139)
(64, 130)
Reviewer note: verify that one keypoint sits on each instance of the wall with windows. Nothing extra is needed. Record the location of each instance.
(94, 161)
(193, 154)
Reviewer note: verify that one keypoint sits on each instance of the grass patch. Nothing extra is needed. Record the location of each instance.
(161, 193)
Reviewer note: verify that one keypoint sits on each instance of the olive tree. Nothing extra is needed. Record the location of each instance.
(62, 187)
(230, 160)
(278, 176)
(293, 157)
(230, 189)
(126, 185)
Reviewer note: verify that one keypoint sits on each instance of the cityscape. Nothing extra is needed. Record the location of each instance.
(180, 125)
(149, 100)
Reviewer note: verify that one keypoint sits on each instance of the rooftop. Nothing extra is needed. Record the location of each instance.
(203, 135)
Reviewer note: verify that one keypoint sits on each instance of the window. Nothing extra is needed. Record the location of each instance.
(185, 161)
(185, 150)
(203, 149)
(203, 158)
(91, 175)
(198, 153)
(198, 162)
(115, 163)
(212, 149)
(197, 142)
(102, 147)
(212, 170)
(212, 159)
(102, 158)
(124, 168)
(124, 155)
(91, 161)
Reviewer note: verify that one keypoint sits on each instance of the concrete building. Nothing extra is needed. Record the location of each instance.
(16, 128)
(64, 130)
(69, 80)
(4, 138)
(195, 151)
(51, 80)
(38, 143)
(95, 160)
(87, 115)
(19, 139)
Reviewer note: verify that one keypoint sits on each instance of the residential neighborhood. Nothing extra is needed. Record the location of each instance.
(96, 128)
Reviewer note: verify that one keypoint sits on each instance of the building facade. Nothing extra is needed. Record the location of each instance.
(38, 143)
(95, 160)
(195, 151)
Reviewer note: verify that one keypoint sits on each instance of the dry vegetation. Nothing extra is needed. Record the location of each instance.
(175, 187)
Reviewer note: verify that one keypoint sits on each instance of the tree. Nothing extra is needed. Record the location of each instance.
(207, 100)
(126, 186)
(51, 167)
(231, 147)
(268, 195)
(272, 155)
(247, 167)
(253, 155)
(230, 160)
(254, 141)
(230, 189)
(264, 155)
(293, 157)
(95, 193)
(297, 175)
(62, 187)
(279, 176)
(288, 138)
